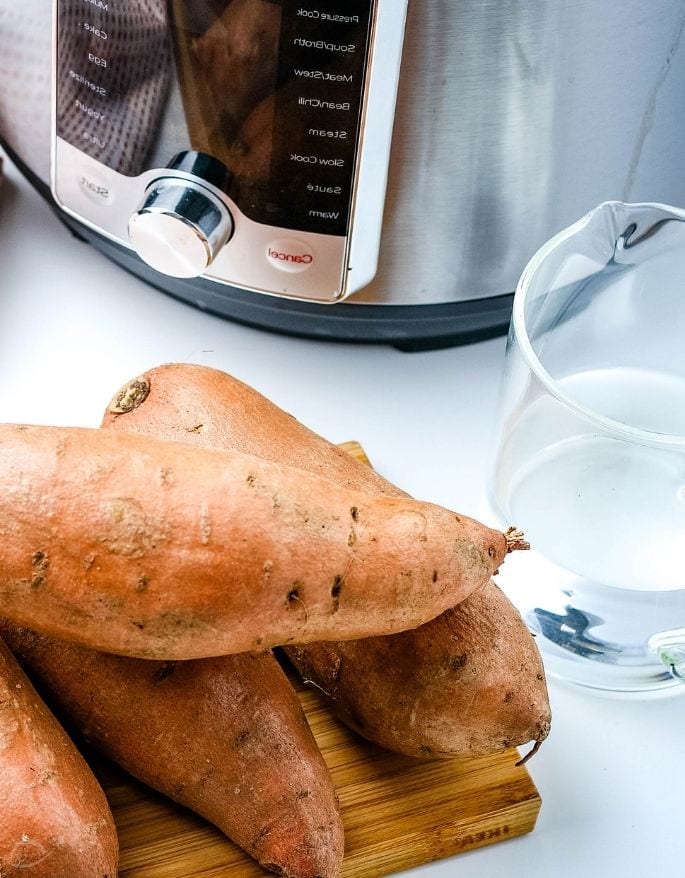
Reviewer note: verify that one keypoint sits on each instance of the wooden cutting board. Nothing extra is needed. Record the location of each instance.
(397, 813)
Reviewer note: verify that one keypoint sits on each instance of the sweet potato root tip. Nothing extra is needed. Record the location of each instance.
(516, 541)
(533, 750)
(129, 397)
(543, 729)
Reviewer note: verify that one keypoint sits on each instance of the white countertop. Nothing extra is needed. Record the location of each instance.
(74, 327)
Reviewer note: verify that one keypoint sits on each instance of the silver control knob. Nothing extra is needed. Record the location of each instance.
(180, 227)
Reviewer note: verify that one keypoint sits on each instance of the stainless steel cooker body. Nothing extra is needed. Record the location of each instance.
(512, 119)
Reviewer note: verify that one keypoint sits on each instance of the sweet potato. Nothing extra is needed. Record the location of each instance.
(54, 818)
(226, 737)
(469, 682)
(157, 549)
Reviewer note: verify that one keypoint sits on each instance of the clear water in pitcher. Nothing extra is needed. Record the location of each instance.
(605, 517)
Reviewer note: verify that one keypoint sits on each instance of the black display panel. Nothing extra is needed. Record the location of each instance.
(114, 67)
(272, 88)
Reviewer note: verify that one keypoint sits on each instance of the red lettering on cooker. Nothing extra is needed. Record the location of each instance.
(297, 258)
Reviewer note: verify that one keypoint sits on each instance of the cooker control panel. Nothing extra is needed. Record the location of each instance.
(293, 100)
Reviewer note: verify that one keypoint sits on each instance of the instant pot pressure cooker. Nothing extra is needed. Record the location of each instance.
(368, 170)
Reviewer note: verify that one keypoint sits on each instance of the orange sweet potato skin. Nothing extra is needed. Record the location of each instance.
(103, 533)
(469, 685)
(226, 737)
(54, 818)
(468, 682)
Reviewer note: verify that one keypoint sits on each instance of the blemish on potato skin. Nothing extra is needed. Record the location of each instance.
(8, 727)
(179, 620)
(337, 669)
(88, 561)
(263, 832)
(336, 588)
(205, 525)
(294, 594)
(294, 597)
(472, 554)
(166, 476)
(163, 673)
(39, 565)
(130, 532)
(26, 854)
(457, 662)
(142, 584)
(354, 512)
(242, 738)
(111, 603)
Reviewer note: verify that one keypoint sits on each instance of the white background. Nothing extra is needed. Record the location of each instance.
(74, 327)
